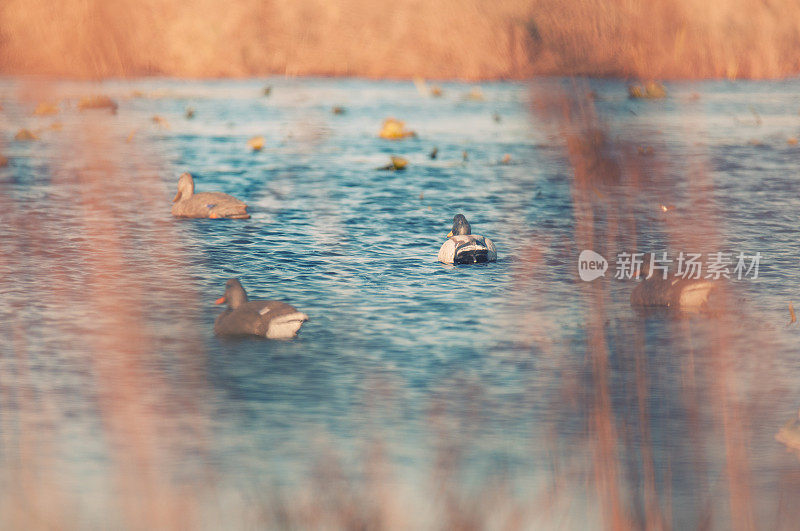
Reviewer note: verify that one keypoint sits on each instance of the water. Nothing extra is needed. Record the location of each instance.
(108, 302)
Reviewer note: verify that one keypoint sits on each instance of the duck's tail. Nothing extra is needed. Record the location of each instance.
(472, 256)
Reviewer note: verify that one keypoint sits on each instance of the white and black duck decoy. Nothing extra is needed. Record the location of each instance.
(676, 293)
(270, 319)
(463, 247)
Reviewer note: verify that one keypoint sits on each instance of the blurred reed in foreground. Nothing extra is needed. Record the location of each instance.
(467, 39)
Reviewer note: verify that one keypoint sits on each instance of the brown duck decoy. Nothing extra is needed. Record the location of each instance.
(270, 319)
(463, 247)
(214, 205)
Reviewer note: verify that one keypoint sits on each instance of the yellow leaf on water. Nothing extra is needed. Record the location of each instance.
(256, 143)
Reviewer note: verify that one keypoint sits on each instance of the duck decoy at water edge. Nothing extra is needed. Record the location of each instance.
(270, 319)
(688, 295)
(214, 205)
(463, 247)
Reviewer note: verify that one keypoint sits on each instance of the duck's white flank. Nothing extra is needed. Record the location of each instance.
(285, 326)
(695, 296)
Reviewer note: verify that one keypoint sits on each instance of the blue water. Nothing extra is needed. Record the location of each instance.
(488, 362)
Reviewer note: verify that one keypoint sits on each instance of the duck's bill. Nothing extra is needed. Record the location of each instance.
(450, 234)
(221, 300)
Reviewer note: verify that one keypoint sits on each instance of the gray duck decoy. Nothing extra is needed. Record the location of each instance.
(270, 319)
(214, 205)
(463, 247)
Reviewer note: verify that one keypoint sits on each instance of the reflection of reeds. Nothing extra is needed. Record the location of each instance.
(617, 461)
(79, 265)
(634, 483)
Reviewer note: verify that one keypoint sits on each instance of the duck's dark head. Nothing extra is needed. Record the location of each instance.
(235, 295)
(460, 226)
(185, 187)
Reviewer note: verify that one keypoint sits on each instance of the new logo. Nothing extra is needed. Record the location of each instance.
(591, 265)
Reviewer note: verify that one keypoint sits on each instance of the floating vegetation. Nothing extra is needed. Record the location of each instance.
(256, 143)
(97, 102)
(393, 129)
(160, 121)
(422, 87)
(645, 150)
(25, 135)
(649, 91)
(433, 154)
(496, 117)
(464, 156)
(46, 109)
(792, 315)
(755, 114)
(266, 91)
(475, 94)
(338, 109)
(189, 114)
(3, 161)
(397, 164)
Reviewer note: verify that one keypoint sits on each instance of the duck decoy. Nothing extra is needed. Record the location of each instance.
(214, 205)
(270, 319)
(463, 247)
(688, 295)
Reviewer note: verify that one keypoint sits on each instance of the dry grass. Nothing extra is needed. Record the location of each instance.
(466, 39)
(216, 38)
(668, 38)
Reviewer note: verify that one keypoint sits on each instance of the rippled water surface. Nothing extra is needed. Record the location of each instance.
(109, 360)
